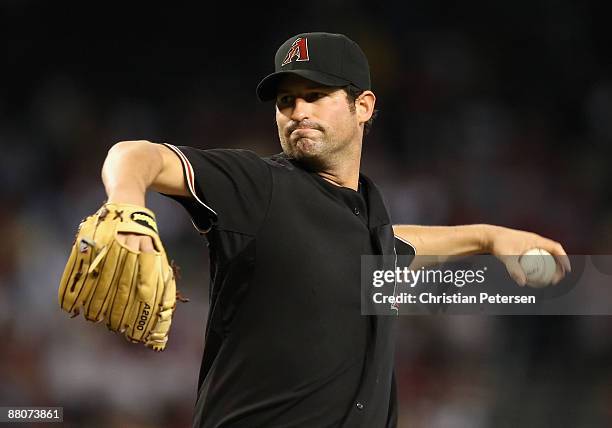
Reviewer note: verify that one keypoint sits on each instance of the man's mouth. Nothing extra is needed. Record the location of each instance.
(304, 130)
(304, 126)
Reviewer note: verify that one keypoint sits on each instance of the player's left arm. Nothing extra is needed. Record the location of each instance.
(437, 244)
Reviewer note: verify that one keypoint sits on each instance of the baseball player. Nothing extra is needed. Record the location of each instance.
(286, 345)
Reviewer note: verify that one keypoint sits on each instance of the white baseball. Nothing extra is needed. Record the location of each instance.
(539, 267)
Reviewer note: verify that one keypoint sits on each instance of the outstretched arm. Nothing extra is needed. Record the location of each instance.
(445, 242)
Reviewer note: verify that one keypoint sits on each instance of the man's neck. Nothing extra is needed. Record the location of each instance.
(344, 173)
(351, 183)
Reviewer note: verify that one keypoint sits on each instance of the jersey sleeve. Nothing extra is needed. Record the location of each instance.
(404, 248)
(230, 189)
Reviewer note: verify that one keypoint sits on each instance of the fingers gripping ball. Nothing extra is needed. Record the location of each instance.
(133, 292)
(539, 267)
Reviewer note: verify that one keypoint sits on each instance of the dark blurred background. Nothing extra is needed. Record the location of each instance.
(489, 113)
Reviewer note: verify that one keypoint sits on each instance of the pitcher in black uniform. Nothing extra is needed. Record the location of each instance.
(286, 344)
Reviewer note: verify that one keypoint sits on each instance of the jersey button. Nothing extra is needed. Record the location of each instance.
(356, 211)
(359, 406)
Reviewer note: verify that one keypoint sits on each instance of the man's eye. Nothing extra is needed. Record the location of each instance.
(313, 96)
(284, 100)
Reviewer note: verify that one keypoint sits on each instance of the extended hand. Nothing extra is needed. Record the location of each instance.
(509, 244)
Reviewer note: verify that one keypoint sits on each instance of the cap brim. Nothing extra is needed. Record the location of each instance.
(266, 90)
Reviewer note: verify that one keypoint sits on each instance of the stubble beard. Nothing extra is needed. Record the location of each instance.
(315, 153)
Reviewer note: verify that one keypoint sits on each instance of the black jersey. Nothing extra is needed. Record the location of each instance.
(286, 344)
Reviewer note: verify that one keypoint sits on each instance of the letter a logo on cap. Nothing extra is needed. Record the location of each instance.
(298, 49)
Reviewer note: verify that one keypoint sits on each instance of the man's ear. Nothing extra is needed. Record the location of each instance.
(364, 106)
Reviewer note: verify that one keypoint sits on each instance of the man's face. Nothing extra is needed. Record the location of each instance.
(315, 123)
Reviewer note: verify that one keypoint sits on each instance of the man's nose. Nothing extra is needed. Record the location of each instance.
(301, 110)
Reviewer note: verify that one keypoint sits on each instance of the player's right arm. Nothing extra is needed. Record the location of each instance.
(132, 167)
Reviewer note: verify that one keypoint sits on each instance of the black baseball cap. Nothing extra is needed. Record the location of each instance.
(325, 58)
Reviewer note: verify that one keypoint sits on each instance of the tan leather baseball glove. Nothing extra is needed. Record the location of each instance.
(133, 292)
